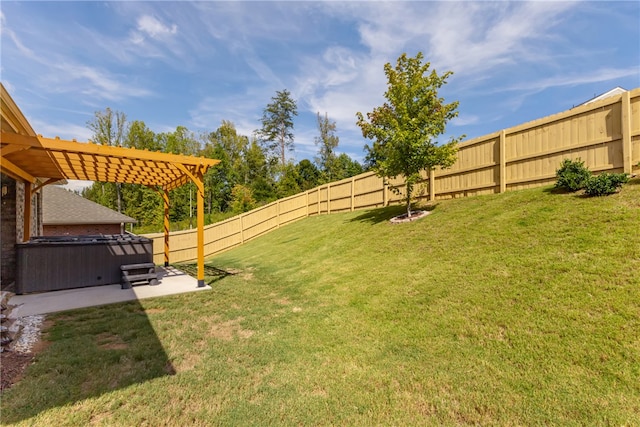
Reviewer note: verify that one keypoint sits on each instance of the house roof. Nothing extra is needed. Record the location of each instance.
(63, 207)
(615, 91)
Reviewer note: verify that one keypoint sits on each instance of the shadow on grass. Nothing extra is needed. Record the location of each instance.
(89, 352)
(555, 190)
(211, 274)
(634, 181)
(376, 216)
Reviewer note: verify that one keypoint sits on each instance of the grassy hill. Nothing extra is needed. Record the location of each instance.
(513, 309)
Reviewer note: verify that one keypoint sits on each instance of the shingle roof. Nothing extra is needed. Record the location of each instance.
(60, 206)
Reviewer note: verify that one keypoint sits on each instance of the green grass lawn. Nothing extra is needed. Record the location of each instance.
(514, 309)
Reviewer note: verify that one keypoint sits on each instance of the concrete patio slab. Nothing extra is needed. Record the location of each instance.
(171, 282)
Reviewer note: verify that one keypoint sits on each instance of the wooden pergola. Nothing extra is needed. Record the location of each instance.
(38, 161)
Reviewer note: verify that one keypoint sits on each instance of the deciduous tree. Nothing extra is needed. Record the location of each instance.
(242, 199)
(404, 129)
(308, 175)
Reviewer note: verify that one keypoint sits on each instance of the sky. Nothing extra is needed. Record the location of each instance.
(195, 64)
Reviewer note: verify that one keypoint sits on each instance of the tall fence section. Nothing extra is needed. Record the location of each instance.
(604, 134)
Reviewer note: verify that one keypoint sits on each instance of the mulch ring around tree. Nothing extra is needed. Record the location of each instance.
(415, 215)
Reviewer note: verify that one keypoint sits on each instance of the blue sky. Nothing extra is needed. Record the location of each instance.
(196, 64)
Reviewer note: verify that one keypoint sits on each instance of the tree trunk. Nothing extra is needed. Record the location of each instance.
(409, 189)
(119, 197)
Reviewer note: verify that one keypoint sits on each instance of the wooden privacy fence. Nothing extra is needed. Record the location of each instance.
(604, 134)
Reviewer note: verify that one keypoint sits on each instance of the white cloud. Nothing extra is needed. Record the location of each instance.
(153, 38)
(465, 37)
(262, 70)
(465, 119)
(574, 79)
(68, 131)
(154, 28)
(4, 29)
(239, 109)
(93, 82)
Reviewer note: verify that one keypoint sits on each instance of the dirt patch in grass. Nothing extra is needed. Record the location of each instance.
(227, 330)
(13, 364)
(12, 367)
(187, 363)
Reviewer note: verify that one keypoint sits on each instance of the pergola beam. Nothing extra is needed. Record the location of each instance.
(47, 182)
(56, 144)
(12, 170)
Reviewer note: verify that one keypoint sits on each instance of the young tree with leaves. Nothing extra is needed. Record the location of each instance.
(242, 199)
(141, 137)
(404, 128)
(277, 125)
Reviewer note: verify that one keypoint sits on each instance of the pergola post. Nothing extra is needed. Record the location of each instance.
(200, 204)
(165, 199)
(196, 175)
(26, 233)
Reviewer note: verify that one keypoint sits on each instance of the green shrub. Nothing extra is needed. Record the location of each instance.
(605, 183)
(572, 175)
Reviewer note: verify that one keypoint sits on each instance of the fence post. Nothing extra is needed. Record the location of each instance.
(503, 162)
(432, 184)
(626, 132)
(278, 212)
(353, 193)
(329, 198)
(385, 193)
(242, 228)
(166, 226)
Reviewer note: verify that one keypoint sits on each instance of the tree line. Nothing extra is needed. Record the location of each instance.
(253, 170)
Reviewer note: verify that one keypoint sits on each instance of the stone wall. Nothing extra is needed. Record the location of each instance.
(8, 231)
(12, 219)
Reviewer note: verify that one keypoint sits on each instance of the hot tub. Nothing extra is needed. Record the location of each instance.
(51, 263)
